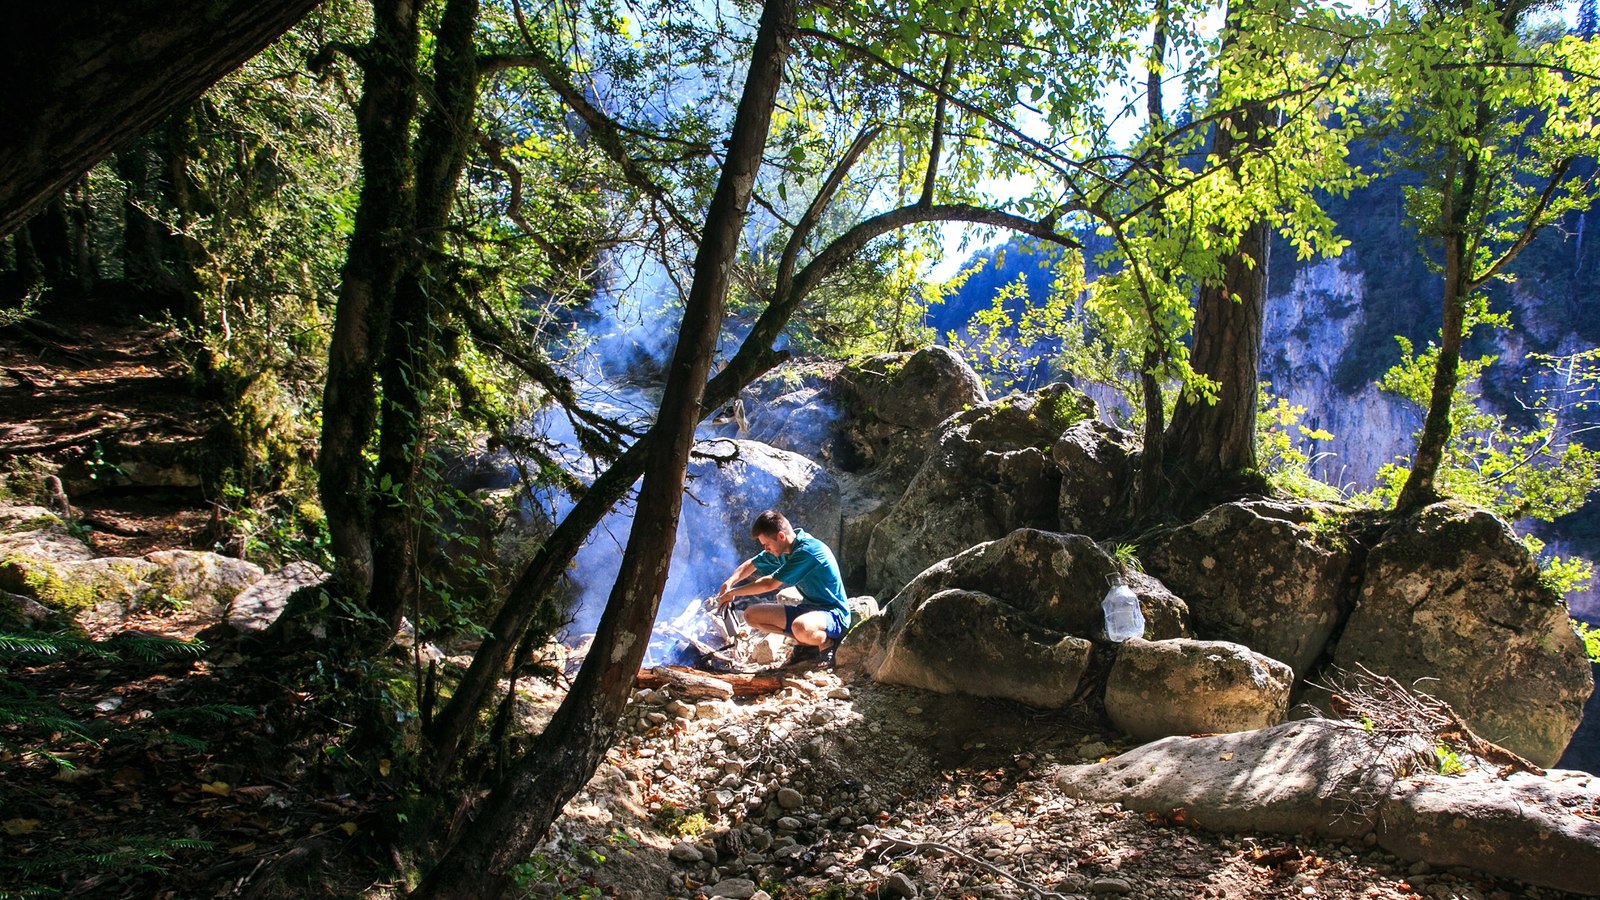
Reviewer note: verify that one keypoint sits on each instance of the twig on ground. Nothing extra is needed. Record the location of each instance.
(894, 843)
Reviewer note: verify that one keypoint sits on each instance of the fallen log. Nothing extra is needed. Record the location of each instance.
(693, 684)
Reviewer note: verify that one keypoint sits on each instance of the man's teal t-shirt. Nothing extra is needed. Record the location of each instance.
(810, 568)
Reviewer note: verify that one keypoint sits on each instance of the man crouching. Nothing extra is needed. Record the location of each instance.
(791, 558)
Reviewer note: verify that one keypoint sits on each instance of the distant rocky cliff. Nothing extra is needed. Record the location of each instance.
(1323, 317)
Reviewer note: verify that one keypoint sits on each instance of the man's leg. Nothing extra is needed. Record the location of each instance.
(816, 628)
(767, 617)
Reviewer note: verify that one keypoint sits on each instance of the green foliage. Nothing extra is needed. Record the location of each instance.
(119, 858)
(1007, 343)
(1126, 557)
(1590, 638)
(1540, 472)
(55, 722)
(671, 820)
(1279, 438)
(1560, 575)
(1446, 761)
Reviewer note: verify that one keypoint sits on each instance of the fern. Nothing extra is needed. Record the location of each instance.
(210, 712)
(154, 649)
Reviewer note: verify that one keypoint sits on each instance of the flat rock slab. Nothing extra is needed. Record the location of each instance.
(1338, 779)
(1317, 774)
(1542, 830)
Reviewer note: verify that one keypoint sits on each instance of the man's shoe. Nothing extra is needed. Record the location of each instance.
(803, 653)
(808, 655)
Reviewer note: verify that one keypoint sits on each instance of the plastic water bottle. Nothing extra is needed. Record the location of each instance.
(1124, 618)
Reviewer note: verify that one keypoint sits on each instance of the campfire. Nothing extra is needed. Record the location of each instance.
(717, 640)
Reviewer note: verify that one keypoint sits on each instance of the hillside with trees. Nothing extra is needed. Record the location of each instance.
(438, 289)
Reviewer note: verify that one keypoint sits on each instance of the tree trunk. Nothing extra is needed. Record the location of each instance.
(1459, 197)
(1211, 445)
(380, 249)
(410, 368)
(1420, 489)
(517, 813)
(83, 79)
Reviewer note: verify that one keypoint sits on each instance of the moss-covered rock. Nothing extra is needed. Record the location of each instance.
(1452, 602)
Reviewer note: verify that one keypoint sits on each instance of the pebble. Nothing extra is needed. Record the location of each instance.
(734, 888)
(1110, 885)
(898, 885)
(789, 823)
(685, 852)
(789, 798)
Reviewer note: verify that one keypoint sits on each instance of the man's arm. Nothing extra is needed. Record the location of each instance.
(733, 588)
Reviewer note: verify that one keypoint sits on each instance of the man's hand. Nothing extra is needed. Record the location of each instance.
(724, 596)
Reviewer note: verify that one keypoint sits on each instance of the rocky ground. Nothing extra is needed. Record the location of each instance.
(833, 789)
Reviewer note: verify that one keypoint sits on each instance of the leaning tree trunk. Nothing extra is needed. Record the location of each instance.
(83, 79)
(1420, 488)
(517, 813)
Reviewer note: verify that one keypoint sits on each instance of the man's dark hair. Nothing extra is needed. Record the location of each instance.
(770, 522)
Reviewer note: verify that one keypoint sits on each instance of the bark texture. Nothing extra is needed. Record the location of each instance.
(517, 813)
(81, 80)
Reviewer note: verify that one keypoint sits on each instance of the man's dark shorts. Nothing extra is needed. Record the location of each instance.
(836, 626)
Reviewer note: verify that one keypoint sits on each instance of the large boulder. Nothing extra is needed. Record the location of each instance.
(959, 641)
(1098, 463)
(1007, 618)
(1452, 603)
(867, 421)
(1162, 688)
(871, 414)
(988, 473)
(913, 390)
(259, 605)
(101, 593)
(1541, 830)
(1272, 576)
(1056, 580)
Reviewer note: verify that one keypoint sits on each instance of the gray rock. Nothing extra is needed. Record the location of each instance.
(1263, 574)
(1161, 688)
(789, 798)
(1522, 827)
(1097, 463)
(1056, 580)
(205, 583)
(734, 888)
(1453, 597)
(914, 390)
(685, 852)
(1111, 885)
(960, 641)
(1320, 775)
(899, 885)
(988, 473)
(259, 605)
